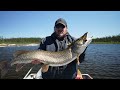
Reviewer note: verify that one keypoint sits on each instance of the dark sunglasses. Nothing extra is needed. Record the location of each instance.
(60, 26)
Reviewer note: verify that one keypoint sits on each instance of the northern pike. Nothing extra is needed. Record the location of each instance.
(52, 58)
(46, 57)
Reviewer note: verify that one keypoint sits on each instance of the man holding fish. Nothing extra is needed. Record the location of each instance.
(58, 41)
(59, 54)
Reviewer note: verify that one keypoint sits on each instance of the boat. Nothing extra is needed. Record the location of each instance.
(38, 75)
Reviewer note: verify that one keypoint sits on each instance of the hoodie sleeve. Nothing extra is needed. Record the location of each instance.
(42, 44)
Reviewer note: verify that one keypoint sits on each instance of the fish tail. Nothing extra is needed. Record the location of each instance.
(4, 67)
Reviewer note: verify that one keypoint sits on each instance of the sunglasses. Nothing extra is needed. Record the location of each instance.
(60, 26)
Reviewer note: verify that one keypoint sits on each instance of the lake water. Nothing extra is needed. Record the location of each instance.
(101, 61)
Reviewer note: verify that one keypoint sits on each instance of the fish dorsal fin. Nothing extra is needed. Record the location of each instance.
(19, 52)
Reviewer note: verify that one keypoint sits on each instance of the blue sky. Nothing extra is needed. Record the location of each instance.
(41, 23)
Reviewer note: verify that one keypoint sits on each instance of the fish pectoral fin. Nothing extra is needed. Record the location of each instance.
(69, 44)
(19, 52)
(19, 67)
(45, 68)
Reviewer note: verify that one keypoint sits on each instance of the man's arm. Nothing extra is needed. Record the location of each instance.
(42, 44)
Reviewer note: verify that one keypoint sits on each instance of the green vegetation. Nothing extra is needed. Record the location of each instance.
(107, 40)
(19, 40)
(103, 40)
(105, 43)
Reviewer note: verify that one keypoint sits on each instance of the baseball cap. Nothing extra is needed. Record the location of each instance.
(61, 21)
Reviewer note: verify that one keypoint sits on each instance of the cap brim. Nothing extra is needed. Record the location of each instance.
(61, 23)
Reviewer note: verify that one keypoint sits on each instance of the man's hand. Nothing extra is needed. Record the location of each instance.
(35, 62)
(45, 68)
(79, 75)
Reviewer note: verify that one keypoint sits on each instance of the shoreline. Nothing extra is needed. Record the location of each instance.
(6, 45)
(35, 44)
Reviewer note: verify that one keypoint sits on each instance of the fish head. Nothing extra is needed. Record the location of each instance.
(78, 45)
(80, 41)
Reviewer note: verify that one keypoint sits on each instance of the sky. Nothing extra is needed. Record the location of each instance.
(98, 24)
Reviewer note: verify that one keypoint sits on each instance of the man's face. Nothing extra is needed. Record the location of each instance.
(60, 30)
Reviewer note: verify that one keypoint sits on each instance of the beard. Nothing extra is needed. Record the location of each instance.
(60, 36)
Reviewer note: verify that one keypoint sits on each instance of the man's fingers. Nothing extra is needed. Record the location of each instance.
(35, 62)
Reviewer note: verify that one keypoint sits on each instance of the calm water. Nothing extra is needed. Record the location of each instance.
(101, 61)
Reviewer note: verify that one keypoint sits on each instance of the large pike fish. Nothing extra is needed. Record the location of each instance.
(51, 58)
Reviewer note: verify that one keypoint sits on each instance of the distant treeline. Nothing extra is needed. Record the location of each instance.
(19, 40)
(108, 39)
